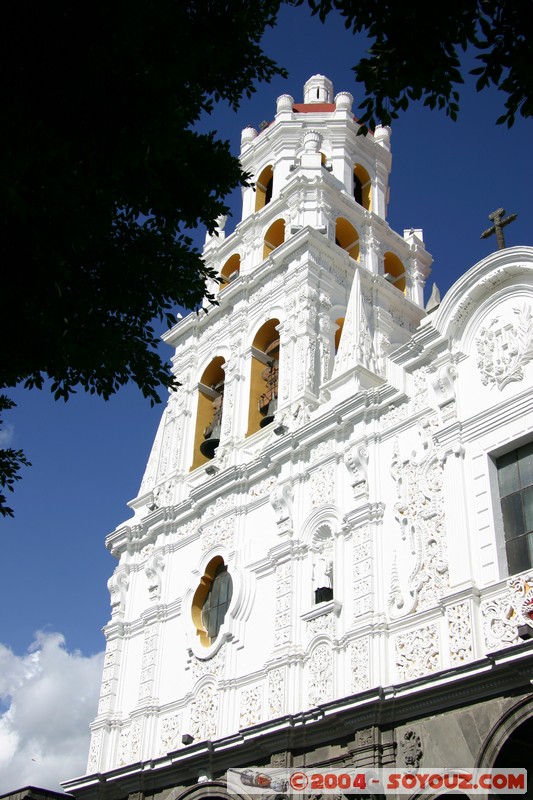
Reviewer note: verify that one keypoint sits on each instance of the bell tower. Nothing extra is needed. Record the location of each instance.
(235, 601)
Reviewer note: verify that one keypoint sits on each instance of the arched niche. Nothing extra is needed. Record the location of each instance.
(209, 412)
(264, 376)
(263, 188)
(394, 271)
(274, 236)
(230, 271)
(347, 237)
(362, 187)
(211, 601)
(338, 333)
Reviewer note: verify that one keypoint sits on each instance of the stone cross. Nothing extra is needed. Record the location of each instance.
(498, 226)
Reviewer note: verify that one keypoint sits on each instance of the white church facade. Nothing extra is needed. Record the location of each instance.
(330, 559)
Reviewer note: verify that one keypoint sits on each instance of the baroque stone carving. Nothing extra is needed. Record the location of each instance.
(94, 751)
(411, 747)
(251, 706)
(282, 624)
(276, 702)
(323, 624)
(209, 666)
(322, 486)
(504, 349)
(520, 588)
(170, 730)
(362, 571)
(320, 675)
(281, 501)
(460, 633)
(419, 512)
(204, 712)
(417, 652)
(356, 460)
(118, 586)
(154, 572)
(360, 665)
(498, 629)
(219, 532)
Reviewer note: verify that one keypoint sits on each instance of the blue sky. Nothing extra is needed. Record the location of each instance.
(89, 456)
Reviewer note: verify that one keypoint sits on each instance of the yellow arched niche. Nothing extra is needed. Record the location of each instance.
(227, 273)
(274, 236)
(347, 237)
(394, 271)
(263, 188)
(263, 386)
(210, 388)
(362, 187)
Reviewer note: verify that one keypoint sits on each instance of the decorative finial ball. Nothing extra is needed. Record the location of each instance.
(312, 141)
(284, 103)
(344, 101)
(248, 134)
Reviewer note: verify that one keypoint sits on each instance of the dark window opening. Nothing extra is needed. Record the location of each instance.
(357, 190)
(515, 480)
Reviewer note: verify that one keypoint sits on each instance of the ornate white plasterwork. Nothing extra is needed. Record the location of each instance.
(322, 624)
(360, 665)
(212, 666)
(419, 512)
(263, 487)
(276, 685)
(154, 572)
(109, 676)
(460, 634)
(362, 571)
(94, 751)
(219, 532)
(204, 713)
(498, 629)
(322, 485)
(281, 501)
(251, 706)
(320, 675)
(505, 348)
(356, 460)
(118, 586)
(170, 731)
(282, 624)
(148, 660)
(223, 502)
(417, 652)
(520, 588)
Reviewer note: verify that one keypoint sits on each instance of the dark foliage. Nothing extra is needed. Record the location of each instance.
(102, 172)
(416, 50)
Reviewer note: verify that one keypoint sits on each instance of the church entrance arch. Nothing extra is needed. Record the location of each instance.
(510, 744)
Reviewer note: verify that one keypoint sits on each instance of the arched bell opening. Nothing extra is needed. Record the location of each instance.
(211, 600)
(394, 271)
(263, 188)
(274, 236)
(230, 271)
(264, 377)
(347, 237)
(338, 333)
(209, 413)
(362, 187)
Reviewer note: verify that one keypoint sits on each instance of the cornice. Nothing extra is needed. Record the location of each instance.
(501, 673)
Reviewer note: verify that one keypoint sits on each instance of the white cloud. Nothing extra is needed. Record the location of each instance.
(49, 697)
